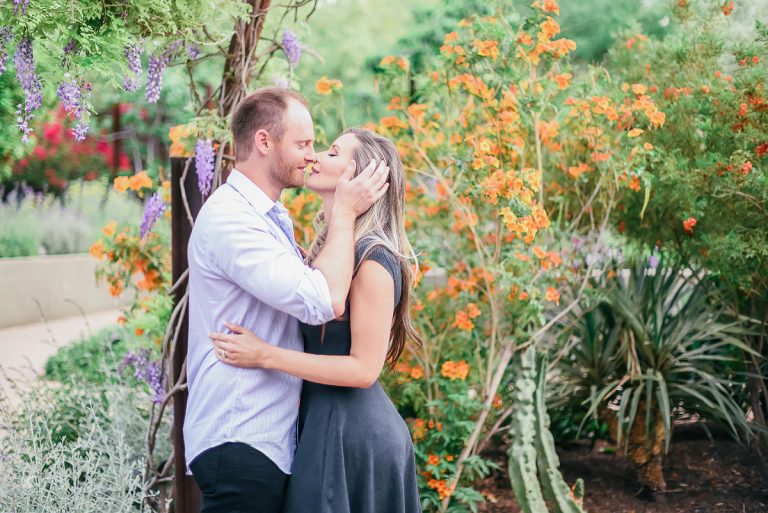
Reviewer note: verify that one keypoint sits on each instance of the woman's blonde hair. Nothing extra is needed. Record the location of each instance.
(382, 225)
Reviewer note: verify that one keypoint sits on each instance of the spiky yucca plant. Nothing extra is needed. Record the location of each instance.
(658, 344)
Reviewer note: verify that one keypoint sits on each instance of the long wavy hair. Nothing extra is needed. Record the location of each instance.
(382, 225)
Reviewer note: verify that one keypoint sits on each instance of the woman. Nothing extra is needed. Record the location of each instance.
(355, 453)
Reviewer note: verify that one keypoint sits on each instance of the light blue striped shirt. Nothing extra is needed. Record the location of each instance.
(243, 269)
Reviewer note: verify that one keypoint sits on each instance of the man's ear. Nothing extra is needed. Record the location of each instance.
(262, 142)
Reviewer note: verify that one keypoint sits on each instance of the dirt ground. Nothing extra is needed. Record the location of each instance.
(703, 476)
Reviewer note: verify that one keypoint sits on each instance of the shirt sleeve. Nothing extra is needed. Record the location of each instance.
(249, 254)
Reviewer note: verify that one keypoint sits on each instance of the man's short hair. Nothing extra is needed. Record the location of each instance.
(263, 109)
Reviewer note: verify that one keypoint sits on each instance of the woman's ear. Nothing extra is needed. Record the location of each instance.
(262, 142)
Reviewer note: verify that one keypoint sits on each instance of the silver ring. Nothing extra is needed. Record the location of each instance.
(223, 354)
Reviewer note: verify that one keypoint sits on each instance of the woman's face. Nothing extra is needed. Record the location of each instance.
(325, 173)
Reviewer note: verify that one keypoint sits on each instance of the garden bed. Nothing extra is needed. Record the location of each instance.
(702, 476)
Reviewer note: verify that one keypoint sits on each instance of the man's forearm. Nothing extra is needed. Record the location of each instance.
(337, 258)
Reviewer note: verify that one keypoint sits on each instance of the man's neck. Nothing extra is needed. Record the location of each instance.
(260, 175)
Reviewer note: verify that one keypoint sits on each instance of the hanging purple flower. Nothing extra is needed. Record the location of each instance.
(24, 61)
(653, 261)
(72, 98)
(157, 65)
(80, 130)
(133, 56)
(6, 34)
(291, 47)
(156, 382)
(144, 370)
(204, 165)
(69, 95)
(193, 52)
(156, 68)
(69, 49)
(152, 212)
(23, 6)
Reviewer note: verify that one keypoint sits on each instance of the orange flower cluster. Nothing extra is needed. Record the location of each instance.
(728, 8)
(688, 225)
(525, 228)
(553, 295)
(391, 59)
(547, 6)
(563, 79)
(408, 371)
(441, 486)
(393, 123)
(463, 320)
(547, 259)
(326, 86)
(634, 39)
(183, 139)
(419, 428)
(136, 182)
(543, 42)
(486, 48)
(455, 370)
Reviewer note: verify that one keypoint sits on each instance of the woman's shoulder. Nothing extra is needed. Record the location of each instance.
(381, 254)
(377, 252)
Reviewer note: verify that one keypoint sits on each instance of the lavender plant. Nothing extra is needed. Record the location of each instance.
(98, 470)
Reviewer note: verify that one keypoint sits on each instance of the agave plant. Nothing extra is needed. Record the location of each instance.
(657, 345)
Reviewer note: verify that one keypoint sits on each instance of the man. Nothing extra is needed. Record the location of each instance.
(244, 267)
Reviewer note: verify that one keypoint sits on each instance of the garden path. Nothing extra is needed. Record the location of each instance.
(25, 349)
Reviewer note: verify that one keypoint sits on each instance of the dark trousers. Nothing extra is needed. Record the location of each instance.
(236, 478)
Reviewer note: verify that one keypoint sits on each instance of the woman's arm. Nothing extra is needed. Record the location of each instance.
(371, 310)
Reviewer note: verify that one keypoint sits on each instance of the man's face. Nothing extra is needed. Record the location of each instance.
(296, 149)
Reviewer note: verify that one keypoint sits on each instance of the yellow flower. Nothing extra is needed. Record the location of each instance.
(635, 132)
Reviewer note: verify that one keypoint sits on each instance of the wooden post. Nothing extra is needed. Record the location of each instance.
(117, 144)
(186, 494)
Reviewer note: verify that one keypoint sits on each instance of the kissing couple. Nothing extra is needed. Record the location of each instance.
(285, 410)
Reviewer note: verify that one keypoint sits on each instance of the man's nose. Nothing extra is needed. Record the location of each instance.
(311, 155)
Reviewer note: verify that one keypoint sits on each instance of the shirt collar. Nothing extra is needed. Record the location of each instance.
(252, 193)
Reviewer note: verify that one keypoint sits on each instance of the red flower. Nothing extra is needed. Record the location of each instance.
(762, 149)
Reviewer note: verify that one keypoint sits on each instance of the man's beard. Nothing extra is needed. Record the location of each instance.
(284, 172)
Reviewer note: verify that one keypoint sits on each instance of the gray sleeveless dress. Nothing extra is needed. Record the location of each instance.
(355, 453)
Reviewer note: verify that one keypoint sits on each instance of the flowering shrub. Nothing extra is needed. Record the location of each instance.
(503, 134)
(136, 259)
(56, 159)
(706, 170)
